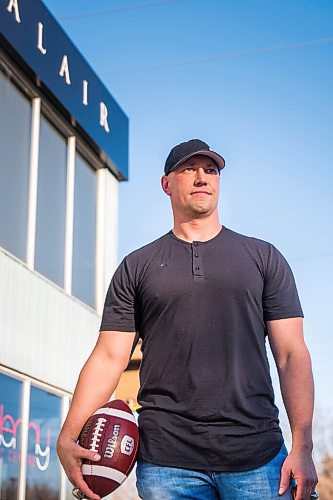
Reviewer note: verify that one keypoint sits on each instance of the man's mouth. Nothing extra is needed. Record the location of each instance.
(200, 192)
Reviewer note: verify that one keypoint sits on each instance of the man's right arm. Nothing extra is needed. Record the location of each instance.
(97, 381)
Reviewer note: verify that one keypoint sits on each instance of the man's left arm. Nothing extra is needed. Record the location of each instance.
(293, 363)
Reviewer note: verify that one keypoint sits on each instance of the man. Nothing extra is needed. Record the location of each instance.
(203, 299)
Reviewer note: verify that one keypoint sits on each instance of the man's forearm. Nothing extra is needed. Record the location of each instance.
(297, 390)
(97, 381)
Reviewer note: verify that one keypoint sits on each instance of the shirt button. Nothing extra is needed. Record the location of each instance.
(195, 243)
(197, 268)
(196, 255)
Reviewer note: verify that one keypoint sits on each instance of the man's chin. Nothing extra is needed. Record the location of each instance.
(200, 210)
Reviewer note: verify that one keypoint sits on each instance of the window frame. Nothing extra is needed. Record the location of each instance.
(77, 143)
(65, 397)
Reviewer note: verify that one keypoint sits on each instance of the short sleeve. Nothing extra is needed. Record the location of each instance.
(119, 306)
(280, 297)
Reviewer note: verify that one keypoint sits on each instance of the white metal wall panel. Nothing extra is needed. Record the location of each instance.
(111, 228)
(44, 333)
(107, 233)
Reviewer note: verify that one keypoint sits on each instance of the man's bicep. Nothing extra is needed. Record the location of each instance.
(285, 337)
(119, 312)
(115, 345)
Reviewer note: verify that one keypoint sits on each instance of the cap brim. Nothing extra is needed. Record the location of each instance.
(219, 160)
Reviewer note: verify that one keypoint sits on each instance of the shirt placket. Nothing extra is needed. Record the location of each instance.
(197, 264)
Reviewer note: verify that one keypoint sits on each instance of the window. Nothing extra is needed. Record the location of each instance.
(47, 244)
(51, 203)
(84, 232)
(10, 435)
(43, 468)
(43, 473)
(15, 132)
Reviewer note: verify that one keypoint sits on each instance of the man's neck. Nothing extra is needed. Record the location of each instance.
(197, 229)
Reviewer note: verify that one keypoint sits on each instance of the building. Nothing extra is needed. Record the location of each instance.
(63, 152)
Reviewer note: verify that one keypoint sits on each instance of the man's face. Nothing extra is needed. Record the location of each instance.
(193, 187)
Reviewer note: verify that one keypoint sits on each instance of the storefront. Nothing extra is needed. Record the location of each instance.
(63, 151)
(30, 413)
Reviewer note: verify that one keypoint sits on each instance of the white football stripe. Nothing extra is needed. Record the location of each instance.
(101, 471)
(116, 413)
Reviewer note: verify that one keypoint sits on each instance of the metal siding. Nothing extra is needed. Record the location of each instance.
(44, 333)
(111, 228)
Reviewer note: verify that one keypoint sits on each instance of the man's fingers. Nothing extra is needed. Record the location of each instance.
(79, 482)
(306, 484)
(71, 455)
(301, 490)
(304, 488)
(89, 455)
(285, 479)
(304, 491)
(77, 478)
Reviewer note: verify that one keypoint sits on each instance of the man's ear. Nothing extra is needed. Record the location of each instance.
(165, 185)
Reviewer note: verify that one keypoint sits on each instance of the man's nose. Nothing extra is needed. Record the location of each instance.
(200, 177)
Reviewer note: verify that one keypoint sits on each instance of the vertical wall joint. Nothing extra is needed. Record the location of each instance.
(33, 181)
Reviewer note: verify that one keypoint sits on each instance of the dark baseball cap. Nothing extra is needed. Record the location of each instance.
(185, 150)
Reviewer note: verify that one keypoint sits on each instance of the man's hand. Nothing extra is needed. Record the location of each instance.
(71, 455)
(299, 466)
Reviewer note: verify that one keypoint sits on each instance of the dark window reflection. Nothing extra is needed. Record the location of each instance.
(15, 132)
(10, 436)
(51, 203)
(84, 236)
(43, 468)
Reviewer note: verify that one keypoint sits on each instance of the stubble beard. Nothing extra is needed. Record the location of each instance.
(199, 209)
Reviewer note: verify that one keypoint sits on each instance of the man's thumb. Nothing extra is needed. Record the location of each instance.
(90, 455)
(285, 480)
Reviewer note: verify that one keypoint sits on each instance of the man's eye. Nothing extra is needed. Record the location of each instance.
(212, 171)
(189, 169)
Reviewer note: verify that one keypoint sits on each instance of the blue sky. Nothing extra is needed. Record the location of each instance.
(254, 79)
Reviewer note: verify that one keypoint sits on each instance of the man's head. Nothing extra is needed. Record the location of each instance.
(192, 180)
(185, 150)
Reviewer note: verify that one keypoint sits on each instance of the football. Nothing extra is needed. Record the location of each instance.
(112, 432)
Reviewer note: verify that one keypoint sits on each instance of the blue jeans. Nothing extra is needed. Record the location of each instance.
(155, 482)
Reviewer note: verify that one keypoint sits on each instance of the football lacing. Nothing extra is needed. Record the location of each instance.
(97, 434)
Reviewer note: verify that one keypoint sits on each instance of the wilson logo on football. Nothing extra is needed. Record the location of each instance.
(127, 445)
(112, 442)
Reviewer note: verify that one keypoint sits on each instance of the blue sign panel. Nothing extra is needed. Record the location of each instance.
(37, 38)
